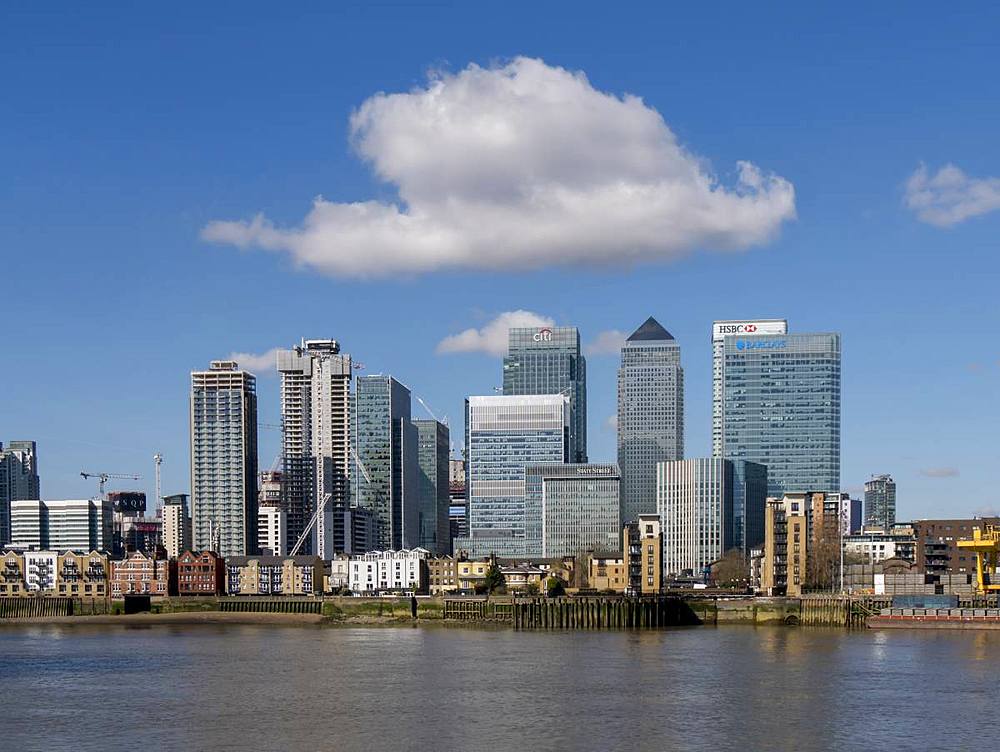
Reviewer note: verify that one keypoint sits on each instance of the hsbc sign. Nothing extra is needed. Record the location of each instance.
(723, 329)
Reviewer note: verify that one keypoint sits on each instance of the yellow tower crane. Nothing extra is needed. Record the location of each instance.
(985, 544)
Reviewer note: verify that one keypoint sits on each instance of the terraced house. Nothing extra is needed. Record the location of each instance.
(274, 575)
(140, 574)
(70, 574)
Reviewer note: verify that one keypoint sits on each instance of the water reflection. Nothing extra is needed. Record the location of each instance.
(248, 687)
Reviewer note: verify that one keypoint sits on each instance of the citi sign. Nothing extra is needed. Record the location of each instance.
(766, 344)
(543, 335)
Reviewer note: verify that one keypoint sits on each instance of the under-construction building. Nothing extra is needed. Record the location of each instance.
(315, 418)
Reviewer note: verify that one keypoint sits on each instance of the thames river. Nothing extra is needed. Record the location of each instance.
(452, 688)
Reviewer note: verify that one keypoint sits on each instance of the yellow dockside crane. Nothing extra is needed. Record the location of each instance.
(985, 544)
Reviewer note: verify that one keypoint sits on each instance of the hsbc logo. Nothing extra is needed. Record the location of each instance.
(721, 330)
(737, 328)
(543, 335)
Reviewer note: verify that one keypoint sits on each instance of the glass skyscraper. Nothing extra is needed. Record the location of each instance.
(433, 458)
(385, 442)
(781, 408)
(880, 502)
(547, 360)
(224, 459)
(650, 414)
(503, 436)
(18, 480)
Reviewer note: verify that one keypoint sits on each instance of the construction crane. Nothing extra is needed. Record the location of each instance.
(430, 412)
(105, 477)
(326, 499)
(985, 544)
(157, 461)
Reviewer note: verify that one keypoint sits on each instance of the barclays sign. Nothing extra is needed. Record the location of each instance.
(764, 344)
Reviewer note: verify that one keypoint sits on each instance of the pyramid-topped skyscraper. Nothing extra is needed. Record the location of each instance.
(650, 414)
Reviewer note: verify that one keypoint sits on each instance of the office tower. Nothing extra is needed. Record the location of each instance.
(316, 443)
(385, 443)
(224, 459)
(18, 479)
(433, 444)
(547, 360)
(578, 506)
(503, 435)
(695, 504)
(458, 509)
(781, 408)
(77, 524)
(176, 525)
(880, 502)
(642, 544)
(721, 330)
(745, 526)
(650, 414)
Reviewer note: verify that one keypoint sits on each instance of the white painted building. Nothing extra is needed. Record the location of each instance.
(875, 546)
(176, 525)
(79, 524)
(272, 528)
(40, 570)
(381, 571)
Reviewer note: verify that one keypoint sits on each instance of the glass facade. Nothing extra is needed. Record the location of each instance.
(650, 414)
(745, 525)
(578, 506)
(224, 460)
(547, 360)
(385, 442)
(432, 456)
(880, 502)
(504, 435)
(18, 480)
(781, 408)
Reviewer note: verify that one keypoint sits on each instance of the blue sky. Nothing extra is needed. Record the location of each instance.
(124, 133)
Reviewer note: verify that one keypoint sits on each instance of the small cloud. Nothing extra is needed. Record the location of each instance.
(519, 166)
(987, 510)
(940, 472)
(607, 343)
(264, 364)
(611, 424)
(492, 338)
(950, 196)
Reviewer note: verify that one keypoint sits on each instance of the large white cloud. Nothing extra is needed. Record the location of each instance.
(521, 166)
(608, 342)
(260, 364)
(950, 196)
(492, 338)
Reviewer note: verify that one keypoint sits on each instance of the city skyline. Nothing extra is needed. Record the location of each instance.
(106, 199)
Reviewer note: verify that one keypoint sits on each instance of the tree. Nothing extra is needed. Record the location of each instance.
(554, 587)
(731, 570)
(531, 588)
(495, 581)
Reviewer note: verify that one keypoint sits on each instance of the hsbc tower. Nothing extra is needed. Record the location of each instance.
(721, 330)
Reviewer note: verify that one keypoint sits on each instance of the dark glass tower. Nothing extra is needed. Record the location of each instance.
(547, 360)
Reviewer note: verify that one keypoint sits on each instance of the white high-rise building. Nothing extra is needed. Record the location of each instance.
(176, 525)
(272, 523)
(721, 330)
(694, 498)
(61, 525)
(224, 459)
(316, 442)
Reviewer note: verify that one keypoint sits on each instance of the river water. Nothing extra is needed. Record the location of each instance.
(452, 688)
